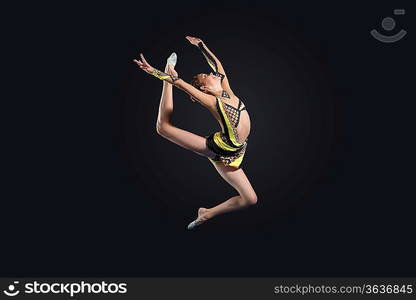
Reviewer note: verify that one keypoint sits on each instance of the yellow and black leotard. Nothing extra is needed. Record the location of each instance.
(225, 143)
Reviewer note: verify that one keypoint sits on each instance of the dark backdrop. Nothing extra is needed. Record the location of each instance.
(95, 191)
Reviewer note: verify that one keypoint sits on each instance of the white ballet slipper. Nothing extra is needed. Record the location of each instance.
(194, 223)
(172, 59)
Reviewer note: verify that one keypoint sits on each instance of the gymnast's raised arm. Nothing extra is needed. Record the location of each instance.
(213, 62)
(172, 77)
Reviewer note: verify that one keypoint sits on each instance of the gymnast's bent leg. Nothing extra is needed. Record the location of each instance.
(238, 180)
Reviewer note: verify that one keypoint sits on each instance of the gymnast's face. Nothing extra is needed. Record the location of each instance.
(209, 80)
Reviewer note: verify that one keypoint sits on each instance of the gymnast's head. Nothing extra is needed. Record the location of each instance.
(207, 82)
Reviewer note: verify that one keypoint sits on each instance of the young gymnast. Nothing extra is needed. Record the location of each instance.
(225, 148)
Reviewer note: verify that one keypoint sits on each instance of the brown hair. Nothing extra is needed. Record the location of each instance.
(197, 84)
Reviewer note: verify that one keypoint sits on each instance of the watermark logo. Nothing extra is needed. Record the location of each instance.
(389, 24)
(72, 289)
(12, 290)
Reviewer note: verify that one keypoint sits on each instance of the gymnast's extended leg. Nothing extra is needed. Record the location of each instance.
(165, 128)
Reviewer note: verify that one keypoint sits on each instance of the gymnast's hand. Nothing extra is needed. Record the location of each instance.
(143, 64)
(193, 40)
(172, 71)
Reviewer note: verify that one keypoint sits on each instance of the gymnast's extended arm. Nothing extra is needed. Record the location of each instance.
(213, 62)
(172, 77)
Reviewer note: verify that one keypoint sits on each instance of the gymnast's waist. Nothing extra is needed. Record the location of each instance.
(227, 139)
(220, 144)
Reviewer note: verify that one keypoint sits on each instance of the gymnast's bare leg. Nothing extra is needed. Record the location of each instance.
(245, 198)
(165, 128)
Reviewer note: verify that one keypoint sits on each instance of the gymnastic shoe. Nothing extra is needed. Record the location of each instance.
(202, 218)
(172, 59)
(195, 223)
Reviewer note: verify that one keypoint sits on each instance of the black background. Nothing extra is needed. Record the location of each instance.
(92, 189)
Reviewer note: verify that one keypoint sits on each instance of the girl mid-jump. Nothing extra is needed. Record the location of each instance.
(225, 148)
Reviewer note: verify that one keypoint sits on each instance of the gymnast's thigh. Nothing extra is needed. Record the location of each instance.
(187, 140)
(237, 179)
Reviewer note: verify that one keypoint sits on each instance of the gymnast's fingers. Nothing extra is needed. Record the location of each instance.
(138, 62)
(143, 59)
(190, 39)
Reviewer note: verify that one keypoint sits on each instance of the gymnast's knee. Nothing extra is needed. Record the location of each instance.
(250, 199)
